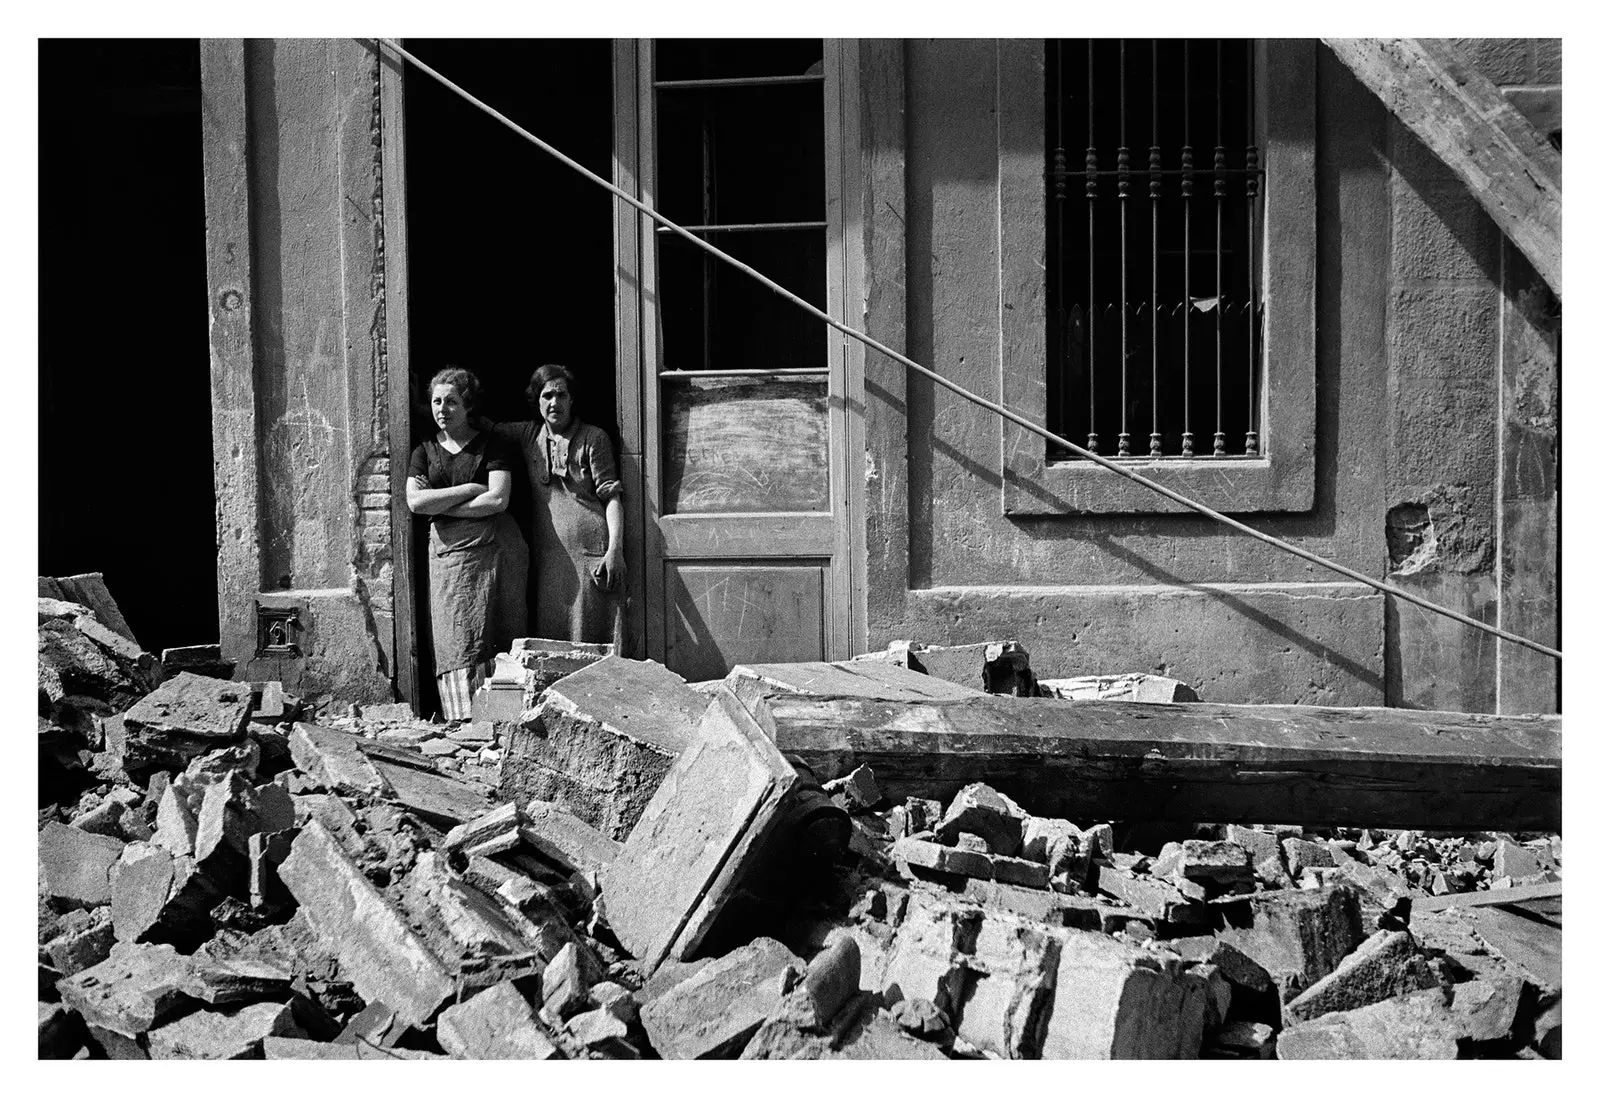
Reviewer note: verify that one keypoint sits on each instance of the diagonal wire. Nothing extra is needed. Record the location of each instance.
(999, 410)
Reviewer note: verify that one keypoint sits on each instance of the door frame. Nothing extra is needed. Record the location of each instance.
(838, 534)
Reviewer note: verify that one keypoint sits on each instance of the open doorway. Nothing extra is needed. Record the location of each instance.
(124, 364)
(510, 251)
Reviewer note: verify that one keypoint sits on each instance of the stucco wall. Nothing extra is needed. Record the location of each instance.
(300, 389)
(1408, 317)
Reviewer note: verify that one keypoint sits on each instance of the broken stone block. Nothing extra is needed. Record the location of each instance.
(222, 1035)
(1411, 1027)
(863, 1032)
(492, 829)
(599, 1028)
(1485, 1009)
(601, 741)
(922, 814)
(84, 940)
(1297, 936)
(567, 979)
(1239, 969)
(714, 1012)
(928, 958)
(1013, 965)
(377, 951)
(190, 713)
(495, 1024)
(1136, 686)
(131, 991)
(295, 1048)
(89, 589)
(1219, 994)
(1157, 898)
(1220, 866)
(923, 854)
(1385, 965)
(1020, 871)
(141, 885)
(176, 822)
(1301, 854)
(923, 1020)
(858, 790)
(75, 866)
(981, 810)
(1513, 860)
(997, 667)
(1114, 1002)
(1265, 857)
(832, 977)
(104, 819)
(723, 802)
(334, 761)
(460, 925)
(243, 977)
(566, 840)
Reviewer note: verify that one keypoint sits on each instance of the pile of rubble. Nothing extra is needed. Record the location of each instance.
(612, 863)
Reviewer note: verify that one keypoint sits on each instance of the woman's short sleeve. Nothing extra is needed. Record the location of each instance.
(603, 466)
(498, 454)
(419, 463)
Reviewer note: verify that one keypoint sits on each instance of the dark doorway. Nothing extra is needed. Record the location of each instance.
(510, 251)
(125, 473)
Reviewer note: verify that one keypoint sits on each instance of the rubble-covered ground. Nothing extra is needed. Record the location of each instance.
(226, 871)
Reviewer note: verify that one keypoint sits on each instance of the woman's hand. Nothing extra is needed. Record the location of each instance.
(611, 572)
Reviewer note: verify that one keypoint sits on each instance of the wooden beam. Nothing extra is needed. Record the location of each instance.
(1473, 128)
(1195, 761)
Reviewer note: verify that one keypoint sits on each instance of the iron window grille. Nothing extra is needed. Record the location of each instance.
(1155, 190)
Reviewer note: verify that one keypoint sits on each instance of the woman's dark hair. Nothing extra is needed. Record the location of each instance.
(543, 376)
(465, 381)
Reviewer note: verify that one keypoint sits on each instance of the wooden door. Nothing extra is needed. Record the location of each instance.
(742, 394)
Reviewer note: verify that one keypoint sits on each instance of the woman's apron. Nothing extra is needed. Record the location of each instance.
(477, 589)
(569, 542)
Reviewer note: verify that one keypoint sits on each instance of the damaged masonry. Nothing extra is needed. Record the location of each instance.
(919, 854)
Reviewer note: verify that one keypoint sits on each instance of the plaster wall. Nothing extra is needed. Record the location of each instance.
(1409, 318)
(303, 403)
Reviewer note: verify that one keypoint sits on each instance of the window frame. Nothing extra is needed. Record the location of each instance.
(1282, 479)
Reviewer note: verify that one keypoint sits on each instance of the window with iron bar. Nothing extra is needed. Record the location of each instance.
(1265, 294)
(1153, 230)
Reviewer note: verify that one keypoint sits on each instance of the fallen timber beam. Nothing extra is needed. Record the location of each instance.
(1510, 168)
(1193, 761)
(1496, 897)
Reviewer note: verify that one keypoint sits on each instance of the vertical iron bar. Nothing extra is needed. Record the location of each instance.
(1188, 302)
(1252, 188)
(1219, 161)
(1124, 164)
(1091, 187)
(1155, 256)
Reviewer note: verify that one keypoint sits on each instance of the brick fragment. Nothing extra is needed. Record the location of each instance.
(495, 1024)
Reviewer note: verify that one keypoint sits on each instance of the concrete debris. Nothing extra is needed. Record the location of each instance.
(716, 1010)
(1135, 687)
(222, 1035)
(1385, 965)
(495, 1024)
(601, 741)
(228, 872)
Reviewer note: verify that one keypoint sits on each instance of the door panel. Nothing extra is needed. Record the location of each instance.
(741, 444)
(743, 392)
(745, 612)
